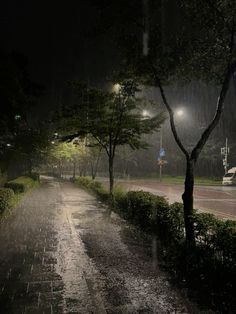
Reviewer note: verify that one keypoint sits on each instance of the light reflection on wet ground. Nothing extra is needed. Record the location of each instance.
(60, 253)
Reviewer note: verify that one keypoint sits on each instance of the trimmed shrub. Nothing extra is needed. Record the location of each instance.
(5, 198)
(3, 178)
(141, 208)
(120, 203)
(205, 226)
(169, 222)
(93, 186)
(35, 176)
(83, 181)
(20, 185)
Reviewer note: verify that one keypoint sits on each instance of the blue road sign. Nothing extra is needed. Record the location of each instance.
(162, 152)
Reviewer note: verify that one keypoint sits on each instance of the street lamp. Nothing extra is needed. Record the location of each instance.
(116, 88)
(180, 113)
(225, 152)
(162, 154)
(145, 113)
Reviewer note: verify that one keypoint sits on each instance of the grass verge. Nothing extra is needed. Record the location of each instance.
(180, 180)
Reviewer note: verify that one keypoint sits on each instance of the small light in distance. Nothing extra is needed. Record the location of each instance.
(17, 117)
(180, 112)
(52, 142)
(145, 113)
(116, 88)
(8, 145)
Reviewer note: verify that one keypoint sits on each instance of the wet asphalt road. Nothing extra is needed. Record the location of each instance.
(218, 200)
(60, 253)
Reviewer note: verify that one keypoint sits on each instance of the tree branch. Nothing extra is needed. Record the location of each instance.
(171, 115)
(220, 105)
(212, 6)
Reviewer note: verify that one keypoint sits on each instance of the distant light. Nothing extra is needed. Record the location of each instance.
(8, 145)
(116, 88)
(180, 112)
(55, 134)
(145, 113)
(52, 142)
(17, 117)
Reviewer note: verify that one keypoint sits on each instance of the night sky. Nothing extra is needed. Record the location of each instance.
(54, 37)
(62, 41)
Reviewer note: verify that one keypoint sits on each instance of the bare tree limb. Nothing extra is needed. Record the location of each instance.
(171, 115)
(220, 105)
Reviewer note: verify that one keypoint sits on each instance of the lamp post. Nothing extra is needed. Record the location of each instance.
(225, 153)
(161, 154)
(179, 113)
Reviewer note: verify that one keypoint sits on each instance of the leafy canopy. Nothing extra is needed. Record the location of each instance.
(111, 118)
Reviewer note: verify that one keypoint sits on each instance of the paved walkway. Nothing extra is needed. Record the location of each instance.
(60, 254)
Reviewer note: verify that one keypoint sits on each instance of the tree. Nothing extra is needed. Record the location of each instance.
(94, 156)
(199, 44)
(17, 95)
(75, 155)
(111, 119)
(29, 148)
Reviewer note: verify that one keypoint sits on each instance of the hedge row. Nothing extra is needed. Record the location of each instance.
(20, 184)
(5, 198)
(93, 186)
(210, 268)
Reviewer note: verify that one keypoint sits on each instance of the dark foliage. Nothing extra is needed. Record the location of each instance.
(5, 198)
(20, 185)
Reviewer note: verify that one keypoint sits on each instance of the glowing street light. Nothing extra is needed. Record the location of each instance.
(145, 113)
(180, 113)
(116, 88)
(17, 117)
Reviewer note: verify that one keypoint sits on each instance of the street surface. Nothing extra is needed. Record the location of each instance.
(218, 200)
(61, 253)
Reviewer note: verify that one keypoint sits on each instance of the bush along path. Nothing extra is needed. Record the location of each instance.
(14, 190)
(210, 274)
(61, 254)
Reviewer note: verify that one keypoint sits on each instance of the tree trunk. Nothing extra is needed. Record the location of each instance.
(30, 167)
(74, 170)
(60, 170)
(111, 175)
(188, 203)
(92, 172)
(95, 169)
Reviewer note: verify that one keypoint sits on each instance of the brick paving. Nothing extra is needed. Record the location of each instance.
(28, 242)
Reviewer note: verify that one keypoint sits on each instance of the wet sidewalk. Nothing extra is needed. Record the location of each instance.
(61, 254)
